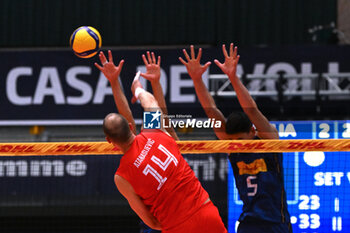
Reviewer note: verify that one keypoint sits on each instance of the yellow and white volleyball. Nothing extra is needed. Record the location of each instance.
(85, 41)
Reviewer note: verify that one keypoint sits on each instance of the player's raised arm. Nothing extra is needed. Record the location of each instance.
(229, 67)
(153, 75)
(112, 74)
(196, 70)
(147, 100)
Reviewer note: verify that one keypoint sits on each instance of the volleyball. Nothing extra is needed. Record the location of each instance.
(85, 41)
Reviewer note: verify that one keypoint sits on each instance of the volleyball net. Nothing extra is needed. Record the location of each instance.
(75, 180)
(186, 147)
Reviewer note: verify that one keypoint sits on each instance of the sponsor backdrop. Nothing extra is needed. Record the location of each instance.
(55, 87)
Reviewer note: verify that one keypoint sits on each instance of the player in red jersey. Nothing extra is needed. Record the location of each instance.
(156, 180)
(111, 72)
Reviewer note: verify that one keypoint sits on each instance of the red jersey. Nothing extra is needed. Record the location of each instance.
(162, 178)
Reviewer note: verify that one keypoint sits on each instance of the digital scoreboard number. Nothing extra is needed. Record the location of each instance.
(317, 183)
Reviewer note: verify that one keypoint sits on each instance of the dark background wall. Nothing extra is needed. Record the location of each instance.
(43, 23)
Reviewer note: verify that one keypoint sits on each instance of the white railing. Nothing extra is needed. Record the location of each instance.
(308, 85)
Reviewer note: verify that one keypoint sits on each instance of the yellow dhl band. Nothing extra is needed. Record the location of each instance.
(186, 147)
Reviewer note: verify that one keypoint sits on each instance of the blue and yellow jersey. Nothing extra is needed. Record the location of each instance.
(260, 183)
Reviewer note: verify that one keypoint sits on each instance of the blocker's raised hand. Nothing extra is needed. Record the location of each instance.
(108, 68)
(152, 66)
(193, 66)
(229, 66)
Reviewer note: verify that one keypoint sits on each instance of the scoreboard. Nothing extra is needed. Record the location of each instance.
(317, 183)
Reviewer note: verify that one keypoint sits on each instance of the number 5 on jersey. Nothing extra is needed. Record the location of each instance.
(251, 185)
(162, 164)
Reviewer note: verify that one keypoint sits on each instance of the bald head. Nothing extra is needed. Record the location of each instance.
(116, 127)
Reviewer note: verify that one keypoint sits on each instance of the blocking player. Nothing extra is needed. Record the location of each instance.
(259, 176)
(111, 71)
(156, 180)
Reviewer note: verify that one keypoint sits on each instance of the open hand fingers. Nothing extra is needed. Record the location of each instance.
(103, 58)
(110, 57)
(98, 66)
(182, 61)
(206, 65)
(224, 51)
(218, 63)
(193, 55)
(231, 49)
(144, 59)
(199, 54)
(237, 59)
(149, 57)
(235, 52)
(121, 63)
(146, 76)
(153, 58)
(186, 55)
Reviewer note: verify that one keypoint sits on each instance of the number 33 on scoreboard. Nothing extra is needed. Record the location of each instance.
(162, 164)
